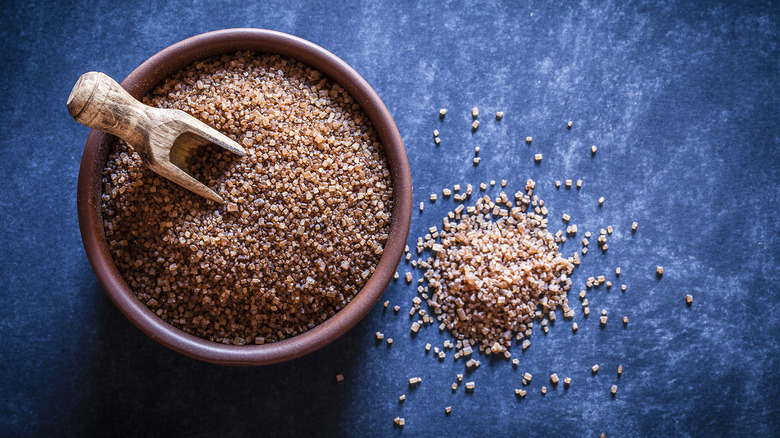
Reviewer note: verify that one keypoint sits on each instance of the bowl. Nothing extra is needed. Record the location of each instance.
(139, 83)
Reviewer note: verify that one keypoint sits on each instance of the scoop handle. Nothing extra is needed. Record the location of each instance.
(99, 102)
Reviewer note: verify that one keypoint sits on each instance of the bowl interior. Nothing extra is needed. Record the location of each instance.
(164, 64)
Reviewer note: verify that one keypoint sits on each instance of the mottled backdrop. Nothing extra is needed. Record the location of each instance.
(681, 99)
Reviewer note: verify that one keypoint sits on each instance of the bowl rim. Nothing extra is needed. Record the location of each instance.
(164, 64)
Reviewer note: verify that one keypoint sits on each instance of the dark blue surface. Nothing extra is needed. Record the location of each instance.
(681, 99)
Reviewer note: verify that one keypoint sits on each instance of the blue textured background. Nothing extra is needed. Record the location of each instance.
(680, 97)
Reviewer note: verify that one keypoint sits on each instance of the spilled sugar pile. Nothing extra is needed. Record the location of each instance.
(494, 271)
(496, 268)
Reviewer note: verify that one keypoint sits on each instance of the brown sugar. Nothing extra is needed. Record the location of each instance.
(475, 287)
(306, 216)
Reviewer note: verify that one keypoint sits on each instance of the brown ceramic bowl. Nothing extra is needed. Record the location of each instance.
(142, 81)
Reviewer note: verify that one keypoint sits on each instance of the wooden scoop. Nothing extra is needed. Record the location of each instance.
(164, 138)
